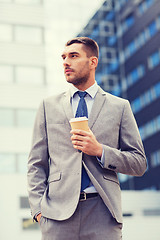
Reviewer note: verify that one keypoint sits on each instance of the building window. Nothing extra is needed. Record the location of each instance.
(154, 60)
(119, 4)
(158, 22)
(28, 35)
(22, 163)
(109, 81)
(6, 34)
(141, 39)
(144, 6)
(6, 1)
(6, 74)
(17, 117)
(13, 163)
(22, 75)
(107, 54)
(136, 105)
(95, 32)
(25, 117)
(152, 28)
(150, 128)
(117, 90)
(155, 159)
(106, 28)
(132, 48)
(7, 163)
(145, 35)
(21, 34)
(112, 40)
(157, 90)
(127, 23)
(7, 118)
(30, 75)
(135, 75)
(110, 16)
(111, 67)
(146, 98)
(24, 203)
(28, 1)
(151, 212)
(114, 65)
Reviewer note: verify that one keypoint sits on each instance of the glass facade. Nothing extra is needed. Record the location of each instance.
(6, 74)
(144, 6)
(7, 163)
(154, 59)
(132, 70)
(146, 98)
(143, 37)
(150, 128)
(30, 75)
(24, 75)
(26, 2)
(21, 34)
(6, 34)
(155, 159)
(127, 23)
(28, 35)
(17, 117)
(135, 75)
(11, 163)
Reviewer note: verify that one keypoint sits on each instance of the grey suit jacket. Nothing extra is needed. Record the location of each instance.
(54, 166)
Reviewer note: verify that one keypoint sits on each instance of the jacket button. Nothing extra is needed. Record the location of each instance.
(111, 167)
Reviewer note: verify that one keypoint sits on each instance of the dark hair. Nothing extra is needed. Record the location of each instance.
(91, 46)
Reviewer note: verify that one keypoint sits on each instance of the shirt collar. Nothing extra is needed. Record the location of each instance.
(91, 90)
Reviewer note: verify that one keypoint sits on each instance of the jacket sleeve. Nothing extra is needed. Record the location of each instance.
(130, 157)
(38, 162)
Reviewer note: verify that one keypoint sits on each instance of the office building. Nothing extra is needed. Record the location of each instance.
(22, 86)
(128, 33)
(32, 36)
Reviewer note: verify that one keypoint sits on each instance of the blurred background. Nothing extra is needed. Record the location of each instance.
(32, 37)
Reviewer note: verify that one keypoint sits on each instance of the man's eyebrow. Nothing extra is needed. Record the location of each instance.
(74, 53)
(70, 53)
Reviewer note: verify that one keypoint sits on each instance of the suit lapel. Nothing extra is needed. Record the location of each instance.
(67, 106)
(97, 107)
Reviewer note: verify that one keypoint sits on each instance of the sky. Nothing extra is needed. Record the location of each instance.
(64, 19)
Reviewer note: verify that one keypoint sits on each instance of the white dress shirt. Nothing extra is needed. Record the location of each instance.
(89, 98)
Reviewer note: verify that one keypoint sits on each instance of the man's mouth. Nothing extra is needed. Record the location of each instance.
(68, 70)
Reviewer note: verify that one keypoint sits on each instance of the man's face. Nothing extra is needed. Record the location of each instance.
(76, 64)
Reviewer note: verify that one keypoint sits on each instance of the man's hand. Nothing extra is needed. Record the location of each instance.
(39, 217)
(86, 142)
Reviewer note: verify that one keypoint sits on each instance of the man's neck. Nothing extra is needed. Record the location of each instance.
(83, 87)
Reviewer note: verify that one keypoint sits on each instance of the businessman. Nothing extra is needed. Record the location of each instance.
(74, 191)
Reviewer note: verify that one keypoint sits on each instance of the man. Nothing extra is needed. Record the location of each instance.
(60, 158)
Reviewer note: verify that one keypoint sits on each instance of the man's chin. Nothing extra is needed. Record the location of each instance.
(76, 81)
(70, 80)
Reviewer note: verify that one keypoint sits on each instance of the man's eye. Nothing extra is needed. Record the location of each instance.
(73, 55)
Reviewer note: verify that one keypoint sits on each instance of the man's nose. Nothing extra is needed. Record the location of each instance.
(66, 62)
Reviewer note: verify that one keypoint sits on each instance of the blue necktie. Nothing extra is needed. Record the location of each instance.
(82, 112)
(82, 107)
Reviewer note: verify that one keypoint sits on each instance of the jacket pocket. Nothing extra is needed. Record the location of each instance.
(115, 180)
(54, 177)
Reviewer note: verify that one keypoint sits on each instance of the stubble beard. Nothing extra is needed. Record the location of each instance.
(79, 80)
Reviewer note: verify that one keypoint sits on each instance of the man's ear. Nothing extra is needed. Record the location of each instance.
(93, 62)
